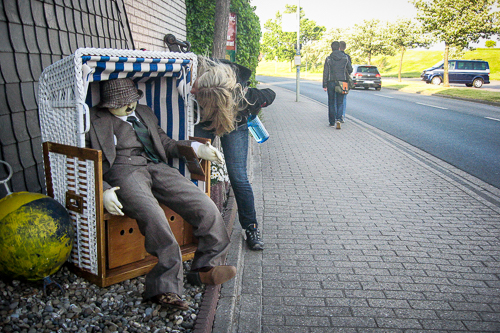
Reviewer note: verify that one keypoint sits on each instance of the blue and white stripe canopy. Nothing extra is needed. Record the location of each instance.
(165, 82)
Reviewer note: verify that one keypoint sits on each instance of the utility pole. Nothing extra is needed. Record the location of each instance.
(292, 24)
(297, 56)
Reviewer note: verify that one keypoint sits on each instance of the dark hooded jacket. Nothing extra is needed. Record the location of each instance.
(336, 66)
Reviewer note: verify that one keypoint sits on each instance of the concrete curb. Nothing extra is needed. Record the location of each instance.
(230, 291)
(214, 297)
(225, 317)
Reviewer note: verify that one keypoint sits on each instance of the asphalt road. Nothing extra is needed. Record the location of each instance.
(464, 134)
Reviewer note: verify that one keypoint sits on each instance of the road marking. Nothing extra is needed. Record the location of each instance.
(383, 96)
(492, 118)
(433, 106)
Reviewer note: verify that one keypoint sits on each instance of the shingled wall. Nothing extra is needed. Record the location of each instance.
(36, 33)
(151, 20)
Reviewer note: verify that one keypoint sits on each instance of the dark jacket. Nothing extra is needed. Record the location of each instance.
(101, 137)
(348, 56)
(336, 66)
(257, 98)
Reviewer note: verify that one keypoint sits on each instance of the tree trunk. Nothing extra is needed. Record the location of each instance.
(220, 31)
(401, 63)
(446, 80)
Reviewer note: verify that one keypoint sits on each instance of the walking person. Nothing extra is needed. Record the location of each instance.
(342, 47)
(337, 67)
(221, 90)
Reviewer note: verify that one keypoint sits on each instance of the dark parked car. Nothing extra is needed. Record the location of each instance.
(469, 72)
(366, 76)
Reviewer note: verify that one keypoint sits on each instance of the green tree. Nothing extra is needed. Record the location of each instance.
(313, 55)
(406, 34)
(457, 22)
(490, 43)
(370, 39)
(280, 45)
(200, 17)
(316, 51)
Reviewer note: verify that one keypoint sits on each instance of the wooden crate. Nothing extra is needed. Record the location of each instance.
(125, 243)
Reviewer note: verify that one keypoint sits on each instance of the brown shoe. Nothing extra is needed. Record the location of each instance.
(218, 275)
(171, 300)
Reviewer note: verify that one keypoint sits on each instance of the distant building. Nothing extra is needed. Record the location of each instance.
(35, 34)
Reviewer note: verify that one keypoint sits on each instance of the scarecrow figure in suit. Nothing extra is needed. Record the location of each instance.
(136, 178)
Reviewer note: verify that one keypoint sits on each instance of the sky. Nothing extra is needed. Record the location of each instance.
(338, 13)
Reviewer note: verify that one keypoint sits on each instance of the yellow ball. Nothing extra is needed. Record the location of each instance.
(36, 236)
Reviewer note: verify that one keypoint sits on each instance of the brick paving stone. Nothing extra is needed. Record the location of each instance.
(364, 233)
(482, 326)
(279, 329)
(398, 323)
(373, 312)
(446, 325)
(306, 321)
(416, 314)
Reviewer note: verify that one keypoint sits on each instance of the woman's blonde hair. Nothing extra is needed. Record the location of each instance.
(219, 95)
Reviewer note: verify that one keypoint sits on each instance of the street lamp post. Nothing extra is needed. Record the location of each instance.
(297, 60)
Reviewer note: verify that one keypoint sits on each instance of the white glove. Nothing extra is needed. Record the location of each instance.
(111, 203)
(210, 153)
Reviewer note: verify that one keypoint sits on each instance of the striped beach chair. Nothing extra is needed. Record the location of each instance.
(67, 89)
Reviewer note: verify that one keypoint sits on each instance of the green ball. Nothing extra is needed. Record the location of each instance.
(36, 236)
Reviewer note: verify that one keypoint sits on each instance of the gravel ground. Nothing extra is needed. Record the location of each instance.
(85, 307)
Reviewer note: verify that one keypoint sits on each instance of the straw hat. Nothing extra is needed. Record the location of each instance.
(118, 93)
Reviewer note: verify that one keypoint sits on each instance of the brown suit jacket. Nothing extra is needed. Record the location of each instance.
(101, 136)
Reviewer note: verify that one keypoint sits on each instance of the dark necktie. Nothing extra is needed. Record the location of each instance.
(143, 135)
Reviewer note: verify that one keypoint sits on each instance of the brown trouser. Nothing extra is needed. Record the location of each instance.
(141, 188)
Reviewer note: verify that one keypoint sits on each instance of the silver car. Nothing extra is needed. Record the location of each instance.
(366, 76)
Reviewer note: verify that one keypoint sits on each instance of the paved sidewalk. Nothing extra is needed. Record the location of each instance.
(363, 232)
